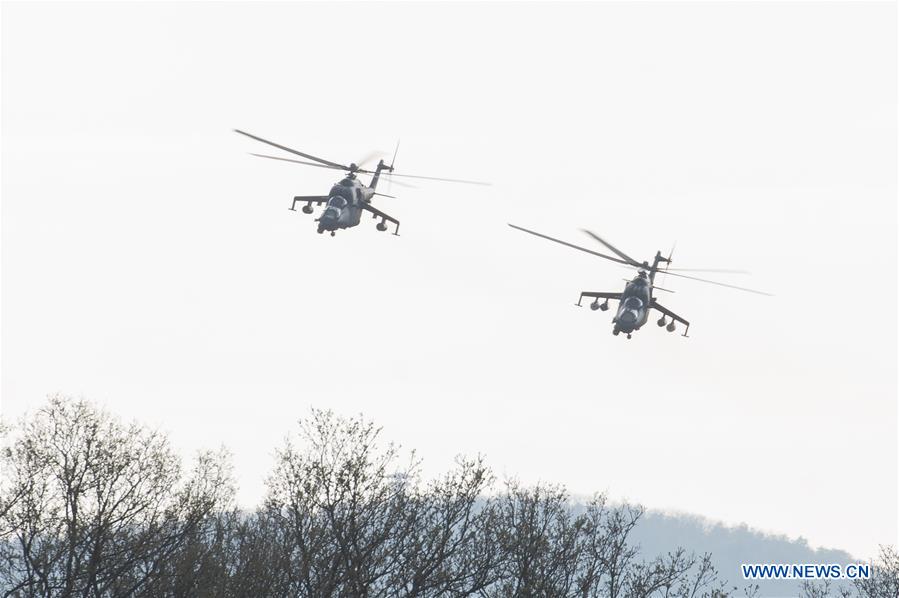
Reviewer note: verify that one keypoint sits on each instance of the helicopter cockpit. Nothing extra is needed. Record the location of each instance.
(343, 189)
(638, 289)
(335, 206)
(633, 303)
(337, 201)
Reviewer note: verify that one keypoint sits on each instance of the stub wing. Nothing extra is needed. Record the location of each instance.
(598, 295)
(376, 213)
(656, 305)
(309, 199)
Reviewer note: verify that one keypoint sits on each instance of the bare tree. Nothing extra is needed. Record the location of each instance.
(92, 507)
(884, 580)
(451, 548)
(358, 521)
(539, 542)
(675, 575)
(95, 508)
(609, 556)
(548, 550)
(255, 557)
(345, 503)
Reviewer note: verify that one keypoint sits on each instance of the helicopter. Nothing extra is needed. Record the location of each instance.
(350, 197)
(636, 301)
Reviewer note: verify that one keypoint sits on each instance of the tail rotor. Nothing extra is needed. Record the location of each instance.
(668, 263)
(390, 168)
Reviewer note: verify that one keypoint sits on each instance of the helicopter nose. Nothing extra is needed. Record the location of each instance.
(627, 319)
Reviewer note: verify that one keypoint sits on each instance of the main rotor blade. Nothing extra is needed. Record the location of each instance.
(294, 161)
(721, 284)
(402, 184)
(368, 158)
(578, 247)
(395, 153)
(293, 151)
(433, 178)
(716, 270)
(398, 183)
(617, 252)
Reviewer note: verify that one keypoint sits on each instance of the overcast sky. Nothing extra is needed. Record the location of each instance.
(150, 264)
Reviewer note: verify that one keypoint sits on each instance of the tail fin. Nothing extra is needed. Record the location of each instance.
(382, 166)
(377, 175)
(668, 262)
(655, 265)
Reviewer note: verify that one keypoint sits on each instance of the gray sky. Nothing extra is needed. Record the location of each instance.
(150, 264)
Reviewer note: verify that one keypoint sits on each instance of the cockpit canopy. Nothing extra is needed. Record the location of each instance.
(638, 288)
(336, 201)
(339, 190)
(633, 303)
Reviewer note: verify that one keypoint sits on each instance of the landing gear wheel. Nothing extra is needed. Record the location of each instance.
(628, 337)
(333, 233)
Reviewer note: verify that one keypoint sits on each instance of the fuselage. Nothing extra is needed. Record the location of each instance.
(633, 309)
(343, 209)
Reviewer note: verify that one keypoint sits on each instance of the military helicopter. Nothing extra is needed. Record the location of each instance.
(636, 301)
(348, 198)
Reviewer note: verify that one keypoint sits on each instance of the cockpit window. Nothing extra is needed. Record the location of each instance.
(337, 202)
(633, 303)
(340, 191)
(638, 288)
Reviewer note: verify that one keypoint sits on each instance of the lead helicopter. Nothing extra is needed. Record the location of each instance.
(349, 197)
(636, 301)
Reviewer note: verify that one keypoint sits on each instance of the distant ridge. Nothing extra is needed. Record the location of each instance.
(731, 545)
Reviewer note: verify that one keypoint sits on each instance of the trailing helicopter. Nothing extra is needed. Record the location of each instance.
(636, 301)
(349, 197)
